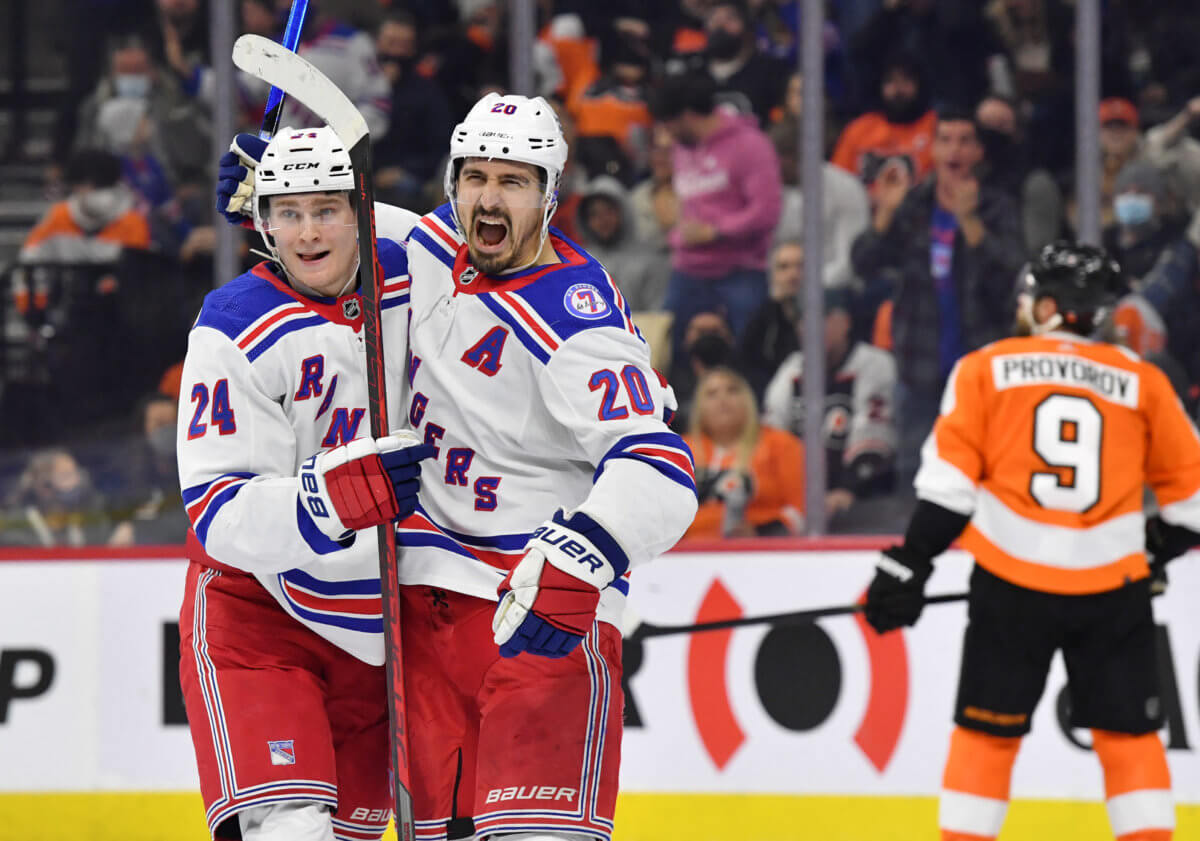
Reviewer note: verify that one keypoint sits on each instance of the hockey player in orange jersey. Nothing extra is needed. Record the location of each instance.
(1039, 459)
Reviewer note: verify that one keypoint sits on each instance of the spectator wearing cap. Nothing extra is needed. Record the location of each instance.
(1145, 223)
(858, 424)
(952, 247)
(898, 131)
(1120, 143)
(407, 157)
(728, 182)
(750, 79)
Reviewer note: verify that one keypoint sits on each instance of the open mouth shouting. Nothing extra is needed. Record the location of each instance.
(491, 233)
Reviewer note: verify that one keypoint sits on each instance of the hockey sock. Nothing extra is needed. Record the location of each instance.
(1137, 785)
(975, 785)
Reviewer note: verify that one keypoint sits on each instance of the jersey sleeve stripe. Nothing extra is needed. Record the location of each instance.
(443, 231)
(212, 503)
(278, 333)
(622, 306)
(531, 344)
(666, 452)
(422, 237)
(941, 482)
(267, 321)
(203, 501)
(539, 327)
(1183, 512)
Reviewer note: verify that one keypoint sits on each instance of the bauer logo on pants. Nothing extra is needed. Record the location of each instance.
(282, 753)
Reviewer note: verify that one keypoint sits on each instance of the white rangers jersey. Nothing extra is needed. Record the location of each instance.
(272, 377)
(537, 391)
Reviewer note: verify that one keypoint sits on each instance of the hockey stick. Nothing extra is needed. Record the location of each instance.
(797, 617)
(291, 39)
(284, 69)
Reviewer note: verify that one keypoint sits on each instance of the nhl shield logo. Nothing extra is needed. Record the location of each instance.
(467, 275)
(584, 300)
(350, 308)
(282, 752)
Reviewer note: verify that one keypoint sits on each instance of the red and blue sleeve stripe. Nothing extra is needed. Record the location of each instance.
(202, 502)
(666, 452)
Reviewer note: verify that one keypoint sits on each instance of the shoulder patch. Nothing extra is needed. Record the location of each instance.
(586, 301)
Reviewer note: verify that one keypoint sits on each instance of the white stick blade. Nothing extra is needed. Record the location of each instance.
(297, 77)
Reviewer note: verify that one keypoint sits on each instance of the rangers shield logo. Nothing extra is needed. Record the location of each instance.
(282, 752)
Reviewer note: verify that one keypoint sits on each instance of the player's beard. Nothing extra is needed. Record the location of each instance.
(496, 262)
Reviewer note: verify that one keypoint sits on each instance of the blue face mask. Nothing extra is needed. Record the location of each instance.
(131, 85)
(1133, 209)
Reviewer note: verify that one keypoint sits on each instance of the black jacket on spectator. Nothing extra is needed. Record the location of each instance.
(420, 123)
(986, 276)
(770, 338)
(762, 81)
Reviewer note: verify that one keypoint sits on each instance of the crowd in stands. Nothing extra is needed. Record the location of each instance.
(950, 162)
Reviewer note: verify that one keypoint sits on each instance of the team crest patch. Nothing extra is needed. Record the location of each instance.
(283, 752)
(585, 301)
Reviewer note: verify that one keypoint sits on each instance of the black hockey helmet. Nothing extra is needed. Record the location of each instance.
(1082, 279)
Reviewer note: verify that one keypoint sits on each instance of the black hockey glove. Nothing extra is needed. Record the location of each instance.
(1165, 542)
(897, 594)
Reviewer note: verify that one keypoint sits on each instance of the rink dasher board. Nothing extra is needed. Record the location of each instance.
(709, 715)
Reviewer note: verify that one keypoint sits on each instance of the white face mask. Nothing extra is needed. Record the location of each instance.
(102, 205)
(131, 85)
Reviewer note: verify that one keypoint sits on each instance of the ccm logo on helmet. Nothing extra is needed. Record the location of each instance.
(570, 548)
(301, 165)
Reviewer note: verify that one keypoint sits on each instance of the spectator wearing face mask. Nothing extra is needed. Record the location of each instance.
(54, 503)
(728, 182)
(1006, 166)
(752, 80)
(94, 223)
(141, 113)
(708, 343)
(899, 131)
(148, 508)
(1144, 222)
(407, 157)
(605, 225)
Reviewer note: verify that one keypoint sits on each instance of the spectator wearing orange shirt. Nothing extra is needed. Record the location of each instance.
(902, 129)
(94, 222)
(750, 477)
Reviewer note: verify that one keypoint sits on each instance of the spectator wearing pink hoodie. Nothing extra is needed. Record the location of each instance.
(727, 178)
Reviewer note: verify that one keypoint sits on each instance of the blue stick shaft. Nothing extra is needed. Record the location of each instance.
(291, 38)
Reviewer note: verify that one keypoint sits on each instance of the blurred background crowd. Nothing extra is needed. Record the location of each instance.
(950, 161)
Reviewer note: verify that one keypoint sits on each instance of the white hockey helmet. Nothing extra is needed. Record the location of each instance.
(509, 127)
(309, 160)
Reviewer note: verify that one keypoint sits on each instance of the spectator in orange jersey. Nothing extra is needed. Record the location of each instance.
(94, 222)
(900, 131)
(750, 477)
(612, 120)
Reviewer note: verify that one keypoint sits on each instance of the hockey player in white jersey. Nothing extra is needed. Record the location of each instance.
(554, 475)
(281, 632)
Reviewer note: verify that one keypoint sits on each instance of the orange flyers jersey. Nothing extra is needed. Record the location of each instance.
(1047, 442)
